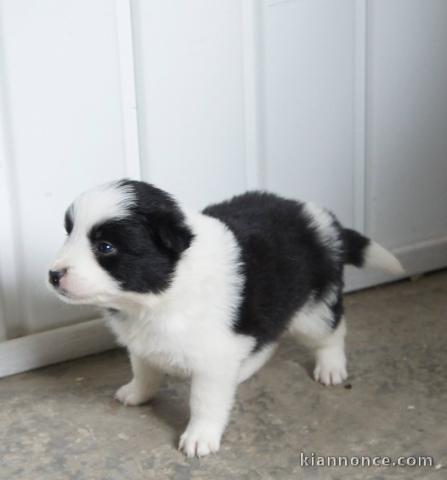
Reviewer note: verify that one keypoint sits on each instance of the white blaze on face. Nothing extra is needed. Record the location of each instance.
(85, 280)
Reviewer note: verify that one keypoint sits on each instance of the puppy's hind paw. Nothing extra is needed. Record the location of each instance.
(330, 376)
(331, 367)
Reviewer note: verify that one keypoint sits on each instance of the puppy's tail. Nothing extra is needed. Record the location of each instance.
(362, 252)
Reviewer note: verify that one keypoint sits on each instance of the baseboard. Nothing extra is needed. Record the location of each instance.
(416, 259)
(45, 348)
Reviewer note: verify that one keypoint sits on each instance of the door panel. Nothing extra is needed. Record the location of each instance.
(308, 90)
(61, 93)
(407, 118)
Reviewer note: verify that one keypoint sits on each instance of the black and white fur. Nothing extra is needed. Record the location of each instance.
(208, 295)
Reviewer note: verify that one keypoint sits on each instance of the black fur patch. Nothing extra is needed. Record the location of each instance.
(284, 262)
(355, 245)
(149, 241)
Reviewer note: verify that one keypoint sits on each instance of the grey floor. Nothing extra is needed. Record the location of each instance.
(61, 423)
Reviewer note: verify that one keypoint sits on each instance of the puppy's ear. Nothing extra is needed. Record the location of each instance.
(162, 216)
(170, 232)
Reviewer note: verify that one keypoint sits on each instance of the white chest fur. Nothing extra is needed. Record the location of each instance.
(163, 343)
(189, 324)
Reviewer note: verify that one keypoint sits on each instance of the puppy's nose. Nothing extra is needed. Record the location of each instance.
(54, 276)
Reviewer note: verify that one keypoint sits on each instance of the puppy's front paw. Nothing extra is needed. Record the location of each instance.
(132, 395)
(199, 441)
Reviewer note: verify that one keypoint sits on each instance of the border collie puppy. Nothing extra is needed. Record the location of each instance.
(209, 295)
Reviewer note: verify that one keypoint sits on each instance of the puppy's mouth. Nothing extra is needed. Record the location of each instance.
(73, 299)
(63, 293)
(68, 297)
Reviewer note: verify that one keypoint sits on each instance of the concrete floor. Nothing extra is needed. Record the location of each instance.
(61, 422)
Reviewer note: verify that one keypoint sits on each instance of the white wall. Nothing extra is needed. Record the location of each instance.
(340, 102)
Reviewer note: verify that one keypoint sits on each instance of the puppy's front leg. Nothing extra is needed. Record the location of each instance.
(212, 395)
(144, 385)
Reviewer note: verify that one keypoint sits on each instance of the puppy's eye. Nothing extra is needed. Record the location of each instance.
(105, 248)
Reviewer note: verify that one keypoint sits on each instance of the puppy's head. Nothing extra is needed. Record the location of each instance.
(124, 236)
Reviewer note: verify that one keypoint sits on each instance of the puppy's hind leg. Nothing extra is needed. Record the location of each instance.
(330, 357)
(314, 328)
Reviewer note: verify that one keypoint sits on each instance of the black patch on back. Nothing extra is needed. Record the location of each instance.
(149, 241)
(283, 261)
